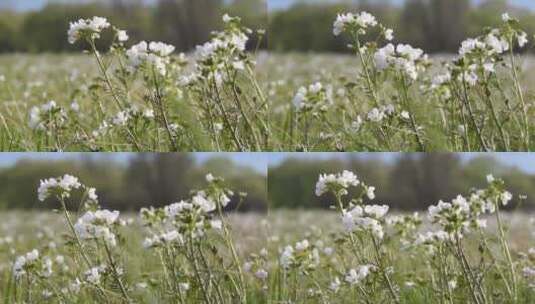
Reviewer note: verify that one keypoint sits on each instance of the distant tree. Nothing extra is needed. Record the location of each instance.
(187, 23)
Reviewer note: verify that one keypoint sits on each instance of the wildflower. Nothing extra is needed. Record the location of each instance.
(350, 21)
(42, 117)
(376, 115)
(261, 274)
(24, 262)
(184, 286)
(93, 275)
(98, 225)
(403, 58)
(152, 55)
(122, 36)
(355, 276)
(313, 96)
(87, 29)
(368, 219)
(336, 182)
(522, 39)
(370, 192)
(61, 185)
(389, 34)
(335, 285)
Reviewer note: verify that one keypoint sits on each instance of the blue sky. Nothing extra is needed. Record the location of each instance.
(273, 4)
(277, 4)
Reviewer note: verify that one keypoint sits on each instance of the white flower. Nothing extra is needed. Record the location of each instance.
(522, 39)
(122, 36)
(261, 274)
(209, 177)
(376, 211)
(506, 197)
(490, 179)
(206, 204)
(376, 115)
(344, 180)
(389, 34)
(227, 18)
(161, 48)
(93, 275)
(87, 28)
(302, 246)
(97, 225)
(355, 276)
(506, 17)
(63, 184)
(287, 257)
(496, 44)
(370, 192)
(184, 286)
(335, 285)
(22, 262)
(362, 21)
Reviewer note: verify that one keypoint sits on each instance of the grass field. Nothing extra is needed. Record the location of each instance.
(190, 252)
(226, 97)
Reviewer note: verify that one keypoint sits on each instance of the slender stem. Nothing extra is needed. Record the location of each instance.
(116, 272)
(520, 95)
(383, 270)
(507, 252)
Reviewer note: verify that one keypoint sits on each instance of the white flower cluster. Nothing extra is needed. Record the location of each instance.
(431, 237)
(93, 275)
(98, 225)
(316, 95)
(87, 28)
(151, 55)
(459, 215)
(123, 118)
(403, 58)
(356, 276)
(41, 117)
(367, 218)
(223, 55)
(377, 115)
(61, 186)
(440, 84)
(303, 256)
(257, 265)
(23, 262)
(336, 183)
(350, 22)
(191, 218)
(164, 238)
(480, 55)
(31, 262)
(529, 273)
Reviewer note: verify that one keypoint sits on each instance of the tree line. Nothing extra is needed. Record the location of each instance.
(183, 23)
(410, 182)
(143, 180)
(434, 25)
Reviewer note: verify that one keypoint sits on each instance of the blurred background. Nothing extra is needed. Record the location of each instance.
(438, 26)
(405, 181)
(41, 25)
(129, 181)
